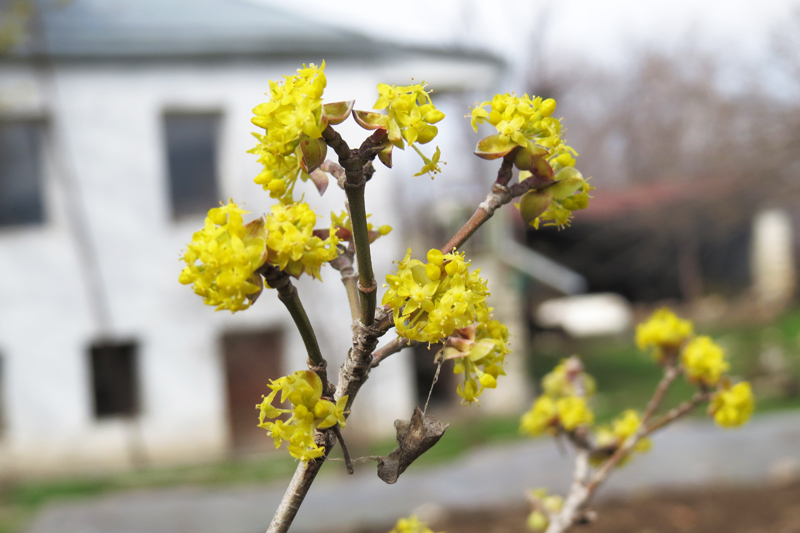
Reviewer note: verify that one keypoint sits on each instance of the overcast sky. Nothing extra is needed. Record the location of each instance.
(602, 32)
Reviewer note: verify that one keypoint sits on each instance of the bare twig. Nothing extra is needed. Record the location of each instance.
(348, 462)
(576, 497)
(392, 348)
(298, 487)
(670, 373)
(344, 264)
(679, 411)
(501, 194)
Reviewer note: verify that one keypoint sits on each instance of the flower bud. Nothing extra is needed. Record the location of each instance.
(534, 203)
(566, 187)
(548, 107)
(433, 272)
(526, 157)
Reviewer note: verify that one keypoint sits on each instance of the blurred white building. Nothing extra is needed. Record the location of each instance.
(121, 124)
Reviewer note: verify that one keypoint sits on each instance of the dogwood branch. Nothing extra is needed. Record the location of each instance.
(580, 493)
(373, 325)
(501, 194)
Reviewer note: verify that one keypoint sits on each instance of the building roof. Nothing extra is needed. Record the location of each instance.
(148, 28)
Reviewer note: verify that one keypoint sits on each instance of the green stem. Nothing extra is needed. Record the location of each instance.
(287, 293)
(354, 163)
(366, 278)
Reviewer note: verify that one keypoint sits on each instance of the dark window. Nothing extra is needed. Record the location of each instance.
(114, 379)
(21, 173)
(192, 157)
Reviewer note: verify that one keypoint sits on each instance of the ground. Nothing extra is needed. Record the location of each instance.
(743, 510)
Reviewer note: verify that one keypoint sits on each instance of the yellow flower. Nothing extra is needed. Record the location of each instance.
(541, 417)
(527, 122)
(545, 505)
(293, 111)
(431, 301)
(609, 438)
(222, 259)
(309, 410)
(704, 361)
(573, 412)
(342, 220)
(479, 353)
(732, 406)
(566, 378)
(410, 118)
(412, 524)
(291, 243)
(662, 331)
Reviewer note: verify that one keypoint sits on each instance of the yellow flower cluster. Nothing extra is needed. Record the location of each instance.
(291, 243)
(521, 120)
(342, 220)
(732, 406)
(412, 524)
(309, 411)
(563, 401)
(293, 111)
(663, 331)
(410, 118)
(546, 505)
(704, 361)
(430, 301)
(548, 414)
(411, 113)
(622, 428)
(222, 259)
(570, 193)
(568, 379)
(479, 352)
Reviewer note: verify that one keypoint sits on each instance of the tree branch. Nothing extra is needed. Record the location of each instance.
(355, 370)
(344, 264)
(390, 349)
(501, 194)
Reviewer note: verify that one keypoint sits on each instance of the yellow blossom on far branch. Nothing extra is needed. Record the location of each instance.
(704, 361)
(412, 524)
(294, 112)
(662, 332)
(222, 259)
(609, 438)
(732, 406)
(547, 414)
(309, 412)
